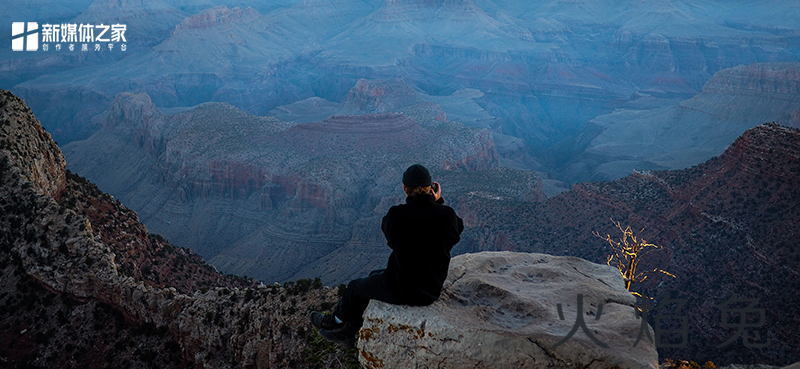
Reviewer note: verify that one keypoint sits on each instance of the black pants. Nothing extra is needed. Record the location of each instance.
(359, 292)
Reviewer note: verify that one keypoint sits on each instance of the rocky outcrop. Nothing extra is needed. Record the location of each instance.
(502, 310)
(391, 95)
(91, 255)
(29, 147)
(135, 113)
(760, 78)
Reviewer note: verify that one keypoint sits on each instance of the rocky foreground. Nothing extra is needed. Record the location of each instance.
(500, 310)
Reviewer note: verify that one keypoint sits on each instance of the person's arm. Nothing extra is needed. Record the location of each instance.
(437, 193)
(452, 227)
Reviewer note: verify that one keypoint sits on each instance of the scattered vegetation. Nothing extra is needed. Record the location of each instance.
(302, 286)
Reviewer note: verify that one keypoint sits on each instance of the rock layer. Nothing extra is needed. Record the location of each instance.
(501, 310)
(764, 78)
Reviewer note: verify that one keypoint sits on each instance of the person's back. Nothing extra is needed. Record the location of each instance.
(421, 233)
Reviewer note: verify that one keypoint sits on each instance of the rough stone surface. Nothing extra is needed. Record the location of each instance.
(499, 310)
(37, 155)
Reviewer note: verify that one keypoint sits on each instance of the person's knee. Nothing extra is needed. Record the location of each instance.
(354, 286)
(361, 288)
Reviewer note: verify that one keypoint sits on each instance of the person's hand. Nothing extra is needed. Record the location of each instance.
(437, 190)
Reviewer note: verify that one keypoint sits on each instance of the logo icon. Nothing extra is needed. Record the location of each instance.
(22, 39)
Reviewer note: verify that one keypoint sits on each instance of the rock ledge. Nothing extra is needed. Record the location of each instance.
(499, 310)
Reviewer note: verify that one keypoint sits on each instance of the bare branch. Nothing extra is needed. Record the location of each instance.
(628, 252)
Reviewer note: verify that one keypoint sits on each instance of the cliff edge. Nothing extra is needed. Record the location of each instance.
(513, 310)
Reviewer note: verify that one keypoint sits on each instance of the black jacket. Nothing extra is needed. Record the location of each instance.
(421, 233)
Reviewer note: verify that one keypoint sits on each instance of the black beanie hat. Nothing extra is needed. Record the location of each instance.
(417, 176)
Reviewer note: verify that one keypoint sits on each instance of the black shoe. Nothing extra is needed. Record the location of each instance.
(345, 336)
(325, 321)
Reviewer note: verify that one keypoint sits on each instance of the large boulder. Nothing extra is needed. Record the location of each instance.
(500, 310)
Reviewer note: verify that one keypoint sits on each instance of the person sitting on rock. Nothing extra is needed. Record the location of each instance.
(421, 234)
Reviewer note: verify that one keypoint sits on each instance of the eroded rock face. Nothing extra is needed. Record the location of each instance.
(500, 310)
(764, 78)
(30, 147)
(90, 255)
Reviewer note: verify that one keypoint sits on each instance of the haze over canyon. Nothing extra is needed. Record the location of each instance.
(270, 137)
